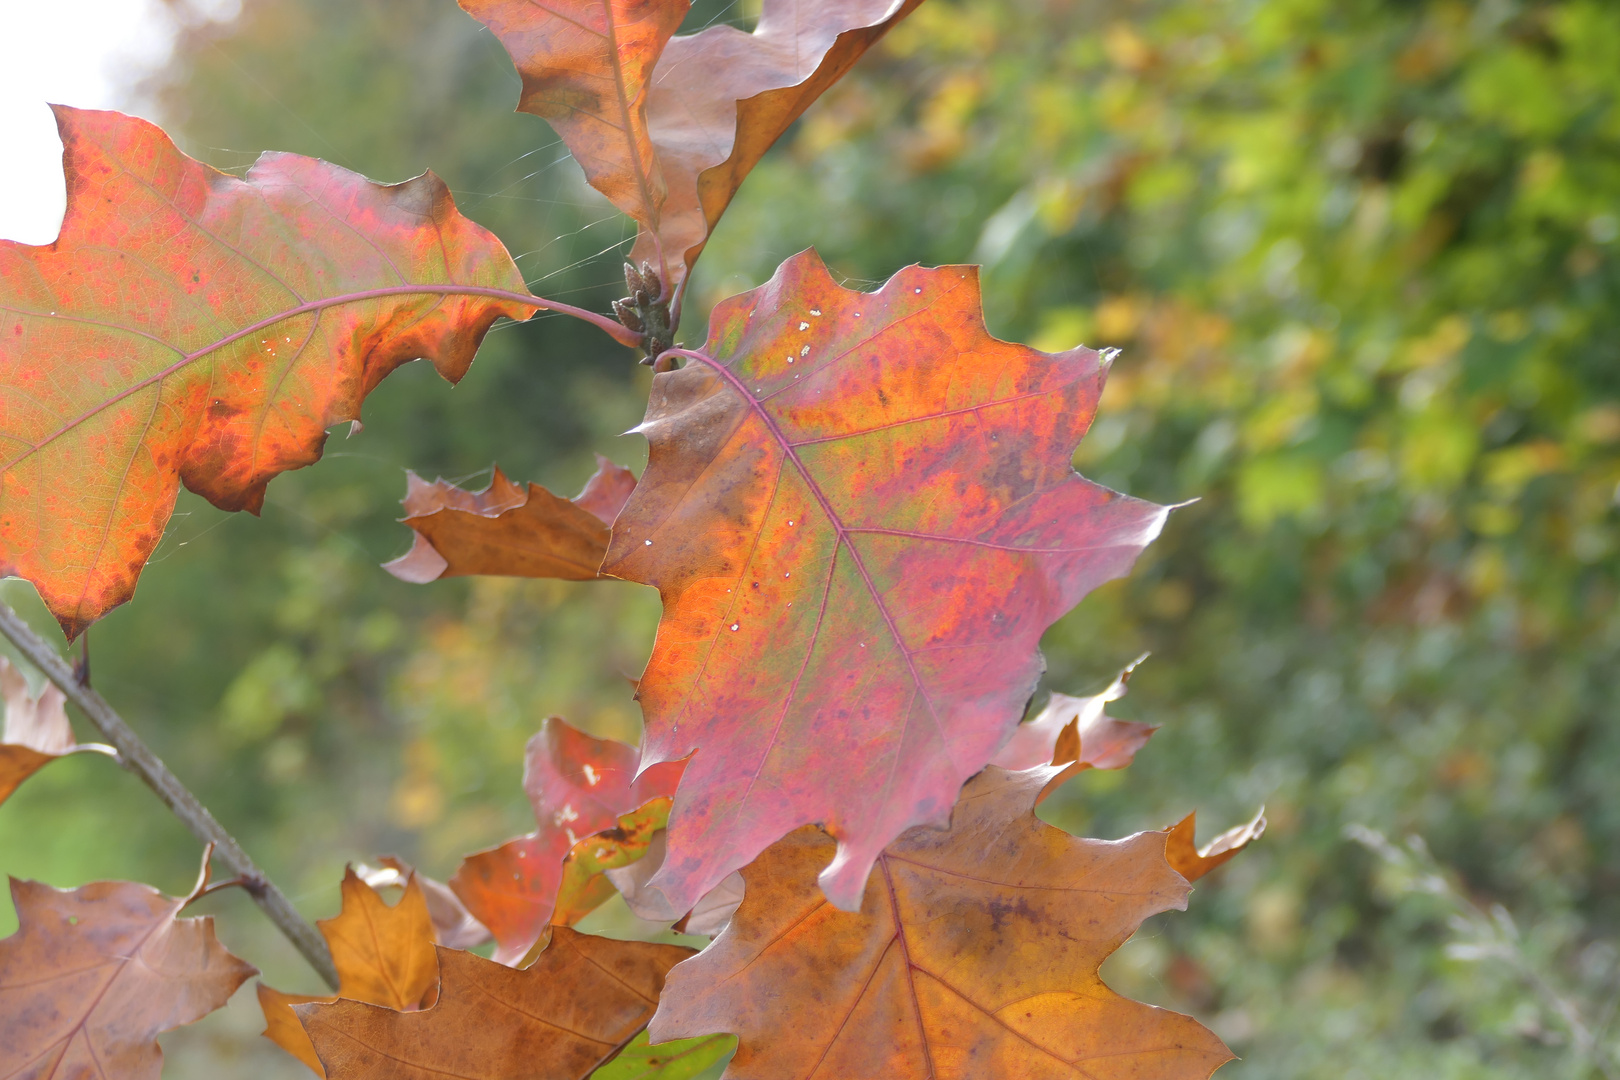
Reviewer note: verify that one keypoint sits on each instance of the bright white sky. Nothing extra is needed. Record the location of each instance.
(85, 53)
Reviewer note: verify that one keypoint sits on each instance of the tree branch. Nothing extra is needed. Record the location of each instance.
(134, 755)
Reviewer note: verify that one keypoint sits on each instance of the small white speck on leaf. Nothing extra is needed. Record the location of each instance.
(815, 311)
(919, 293)
(805, 351)
(735, 625)
(647, 542)
(804, 326)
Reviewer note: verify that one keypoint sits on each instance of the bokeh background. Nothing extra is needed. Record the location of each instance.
(1363, 258)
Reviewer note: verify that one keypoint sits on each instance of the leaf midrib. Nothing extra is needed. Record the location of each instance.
(289, 313)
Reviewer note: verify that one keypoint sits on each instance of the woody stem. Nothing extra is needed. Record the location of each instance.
(139, 759)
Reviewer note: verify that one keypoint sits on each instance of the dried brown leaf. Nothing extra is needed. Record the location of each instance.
(509, 530)
(94, 974)
(975, 954)
(583, 999)
(1193, 862)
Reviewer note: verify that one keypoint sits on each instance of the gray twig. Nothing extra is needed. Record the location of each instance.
(137, 757)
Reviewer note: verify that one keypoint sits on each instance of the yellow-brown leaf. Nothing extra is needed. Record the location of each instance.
(974, 954)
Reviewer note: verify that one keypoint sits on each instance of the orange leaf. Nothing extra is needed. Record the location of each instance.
(860, 512)
(93, 974)
(282, 1027)
(582, 1000)
(1076, 730)
(507, 530)
(383, 955)
(36, 732)
(670, 144)
(578, 786)
(585, 66)
(189, 326)
(974, 954)
(453, 925)
(1193, 862)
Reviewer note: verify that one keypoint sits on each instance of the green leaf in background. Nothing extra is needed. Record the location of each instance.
(703, 1058)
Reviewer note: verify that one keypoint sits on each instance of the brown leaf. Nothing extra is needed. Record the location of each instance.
(585, 66)
(974, 954)
(670, 144)
(508, 530)
(383, 955)
(453, 925)
(1193, 862)
(281, 1025)
(721, 98)
(93, 974)
(582, 1000)
(1075, 730)
(36, 731)
(606, 492)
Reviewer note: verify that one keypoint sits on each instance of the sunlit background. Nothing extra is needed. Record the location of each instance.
(1362, 260)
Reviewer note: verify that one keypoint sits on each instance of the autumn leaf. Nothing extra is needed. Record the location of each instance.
(578, 786)
(384, 955)
(682, 1059)
(586, 66)
(584, 885)
(1193, 862)
(974, 954)
(1075, 730)
(94, 974)
(707, 917)
(37, 731)
(860, 513)
(669, 127)
(192, 327)
(583, 999)
(453, 925)
(506, 529)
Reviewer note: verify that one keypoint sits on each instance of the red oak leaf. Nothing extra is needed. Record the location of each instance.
(94, 974)
(508, 530)
(582, 1000)
(975, 954)
(578, 785)
(453, 925)
(668, 128)
(1076, 730)
(860, 512)
(192, 327)
(1193, 862)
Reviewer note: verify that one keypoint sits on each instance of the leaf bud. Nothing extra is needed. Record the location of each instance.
(649, 277)
(632, 280)
(627, 315)
(642, 299)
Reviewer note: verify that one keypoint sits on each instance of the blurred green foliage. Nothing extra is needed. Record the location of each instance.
(1363, 259)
